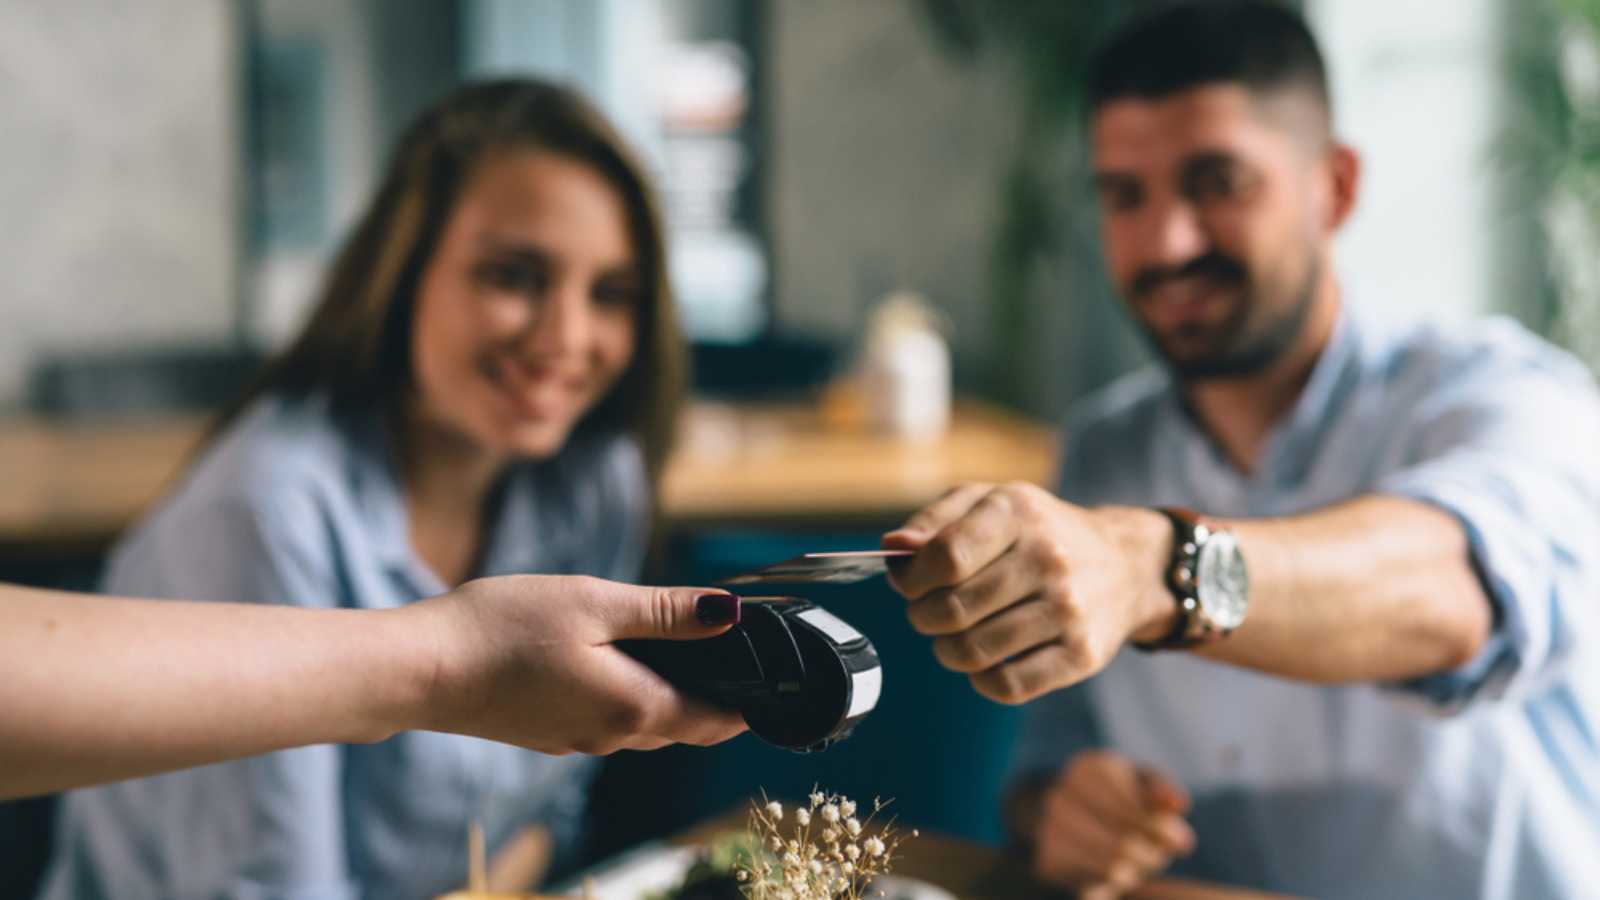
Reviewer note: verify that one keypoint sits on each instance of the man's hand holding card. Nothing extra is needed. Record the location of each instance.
(1026, 593)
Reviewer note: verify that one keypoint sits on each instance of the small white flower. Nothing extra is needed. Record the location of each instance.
(802, 816)
(775, 810)
(847, 807)
(852, 826)
(830, 814)
(817, 799)
(775, 843)
(743, 875)
(852, 851)
(815, 867)
(874, 846)
(848, 868)
(830, 835)
(791, 860)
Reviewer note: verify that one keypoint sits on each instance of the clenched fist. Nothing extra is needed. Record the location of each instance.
(1104, 825)
(1026, 593)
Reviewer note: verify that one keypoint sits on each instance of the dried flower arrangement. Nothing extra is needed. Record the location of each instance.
(826, 852)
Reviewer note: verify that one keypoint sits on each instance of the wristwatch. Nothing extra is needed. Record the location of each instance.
(1208, 581)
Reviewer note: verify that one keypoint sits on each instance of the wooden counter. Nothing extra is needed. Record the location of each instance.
(69, 489)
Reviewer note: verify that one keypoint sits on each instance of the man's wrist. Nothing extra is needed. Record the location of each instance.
(1145, 538)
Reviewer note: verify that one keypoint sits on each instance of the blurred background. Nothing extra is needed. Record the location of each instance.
(174, 176)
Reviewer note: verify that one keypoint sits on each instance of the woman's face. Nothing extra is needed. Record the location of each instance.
(526, 314)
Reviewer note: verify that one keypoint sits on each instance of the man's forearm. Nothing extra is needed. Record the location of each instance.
(98, 688)
(1378, 588)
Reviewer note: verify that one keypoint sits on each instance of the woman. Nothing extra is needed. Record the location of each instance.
(487, 386)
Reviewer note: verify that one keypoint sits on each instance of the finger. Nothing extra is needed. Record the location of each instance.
(931, 519)
(677, 614)
(1036, 672)
(674, 717)
(1108, 784)
(1073, 846)
(1140, 856)
(998, 638)
(1170, 832)
(1162, 794)
(949, 610)
(961, 549)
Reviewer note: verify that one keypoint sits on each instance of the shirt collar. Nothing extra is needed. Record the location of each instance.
(516, 543)
(1291, 444)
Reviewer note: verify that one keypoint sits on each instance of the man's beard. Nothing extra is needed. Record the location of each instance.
(1250, 340)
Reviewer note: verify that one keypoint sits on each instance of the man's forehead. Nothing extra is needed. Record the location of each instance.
(1141, 131)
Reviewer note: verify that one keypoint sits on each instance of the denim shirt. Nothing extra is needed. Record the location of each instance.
(296, 505)
(1479, 782)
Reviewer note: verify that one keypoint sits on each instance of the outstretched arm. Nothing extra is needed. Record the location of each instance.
(94, 689)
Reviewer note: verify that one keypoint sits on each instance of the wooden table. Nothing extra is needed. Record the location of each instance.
(70, 488)
(975, 871)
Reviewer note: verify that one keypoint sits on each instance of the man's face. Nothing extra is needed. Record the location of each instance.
(1215, 222)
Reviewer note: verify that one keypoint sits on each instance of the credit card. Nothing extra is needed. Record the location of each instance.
(846, 567)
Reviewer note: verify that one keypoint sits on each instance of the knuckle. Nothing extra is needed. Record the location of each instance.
(1004, 685)
(628, 718)
(947, 555)
(962, 652)
(1075, 645)
(662, 607)
(955, 611)
(1053, 559)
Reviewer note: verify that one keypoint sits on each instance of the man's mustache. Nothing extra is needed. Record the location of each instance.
(1210, 265)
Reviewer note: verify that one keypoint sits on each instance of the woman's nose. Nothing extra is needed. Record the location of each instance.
(560, 325)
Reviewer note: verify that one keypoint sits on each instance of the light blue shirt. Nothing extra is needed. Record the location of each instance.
(1481, 782)
(295, 505)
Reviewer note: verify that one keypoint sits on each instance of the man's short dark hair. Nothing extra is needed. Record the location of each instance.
(1262, 45)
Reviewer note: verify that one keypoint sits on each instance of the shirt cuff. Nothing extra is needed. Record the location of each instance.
(1506, 559)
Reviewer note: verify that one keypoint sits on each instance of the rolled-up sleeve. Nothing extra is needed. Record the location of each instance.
(1509, 444)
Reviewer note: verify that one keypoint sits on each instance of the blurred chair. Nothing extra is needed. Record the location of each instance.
(779, 365)
(155, 381)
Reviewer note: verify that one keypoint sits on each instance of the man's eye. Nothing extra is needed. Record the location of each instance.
(1217, 184)
(1120, 197)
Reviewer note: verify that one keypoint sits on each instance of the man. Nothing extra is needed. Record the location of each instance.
(1371, 666)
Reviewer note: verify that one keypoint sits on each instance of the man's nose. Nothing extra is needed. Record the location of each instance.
(1175, 234)
(560, 325)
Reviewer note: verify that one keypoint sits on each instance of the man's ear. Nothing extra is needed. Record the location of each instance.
(1344, 184)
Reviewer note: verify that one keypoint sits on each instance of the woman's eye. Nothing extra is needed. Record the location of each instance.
(513, 278)
(616, 295)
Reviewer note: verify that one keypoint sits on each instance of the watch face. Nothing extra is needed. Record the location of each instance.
(1223, 585)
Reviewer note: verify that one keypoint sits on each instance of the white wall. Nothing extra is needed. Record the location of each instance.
(1417, 92)
(117, 171)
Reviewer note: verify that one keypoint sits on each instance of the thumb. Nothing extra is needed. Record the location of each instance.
(676, 614)
(1161, 794)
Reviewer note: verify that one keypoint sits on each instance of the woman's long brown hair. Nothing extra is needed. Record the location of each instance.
(357, 343)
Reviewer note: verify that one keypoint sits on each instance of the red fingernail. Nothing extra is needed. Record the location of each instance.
(717, 609)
